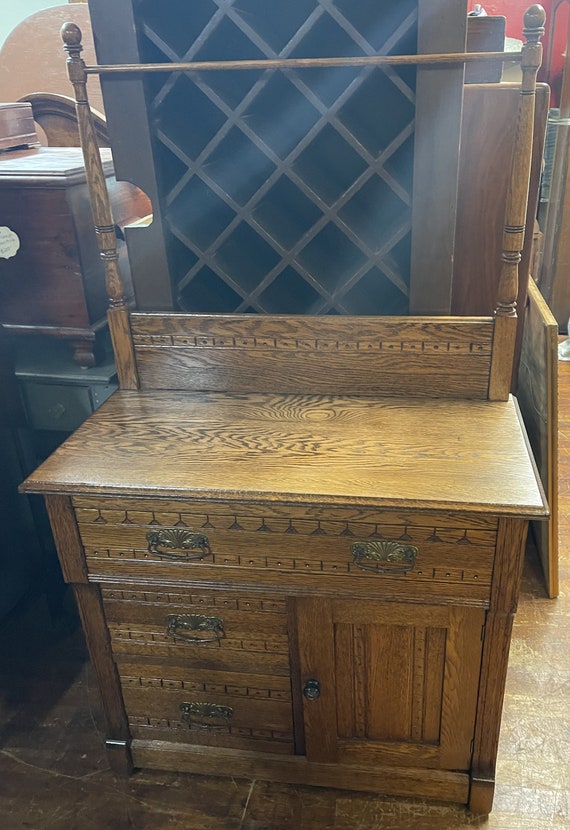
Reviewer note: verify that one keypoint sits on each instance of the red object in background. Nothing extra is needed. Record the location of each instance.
(554, 41)
(557, 28)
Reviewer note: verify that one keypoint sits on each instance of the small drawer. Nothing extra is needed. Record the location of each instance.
(56, 406)
(208, 708)
(421, 555)
(62, 406)
(217, 629)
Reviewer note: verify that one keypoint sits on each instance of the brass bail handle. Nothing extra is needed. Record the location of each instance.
(208, 629)
(385, 557)
(167, 541)
(206, 715)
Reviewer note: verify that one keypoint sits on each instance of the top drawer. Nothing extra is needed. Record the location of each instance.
(444, 557)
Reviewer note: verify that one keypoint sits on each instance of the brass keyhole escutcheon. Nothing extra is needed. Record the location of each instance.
(312, 689)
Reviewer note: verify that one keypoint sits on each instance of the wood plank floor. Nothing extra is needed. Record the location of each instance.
(54, 774)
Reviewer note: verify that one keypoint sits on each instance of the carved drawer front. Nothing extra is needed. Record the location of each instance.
(444, 557)
(207, 630)
(209, 708)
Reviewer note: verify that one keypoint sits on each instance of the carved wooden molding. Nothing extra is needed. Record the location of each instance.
(317, 345)
(238, 732)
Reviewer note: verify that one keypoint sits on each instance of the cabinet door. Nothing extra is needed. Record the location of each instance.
(392, 683)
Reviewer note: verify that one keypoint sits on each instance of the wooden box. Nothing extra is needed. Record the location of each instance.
(17, 128)
(51, 275)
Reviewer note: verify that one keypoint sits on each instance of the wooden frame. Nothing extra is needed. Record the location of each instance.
(538, 399)
(503, 323)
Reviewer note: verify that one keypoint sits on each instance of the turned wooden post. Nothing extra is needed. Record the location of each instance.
(515, 214)
(118, 314)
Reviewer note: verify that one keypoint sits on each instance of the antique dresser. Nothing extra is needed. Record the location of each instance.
(52, 281)
(296, 541)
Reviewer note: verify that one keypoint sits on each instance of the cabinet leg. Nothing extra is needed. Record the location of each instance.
(481, 795)
(119, 757)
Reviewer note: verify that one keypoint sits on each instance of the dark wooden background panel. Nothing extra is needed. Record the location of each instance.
(365, 226)
(442, 27)
(489, 113)
(129, 136)
(485, 34)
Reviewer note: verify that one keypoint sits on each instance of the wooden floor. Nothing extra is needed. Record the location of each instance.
(54, 775)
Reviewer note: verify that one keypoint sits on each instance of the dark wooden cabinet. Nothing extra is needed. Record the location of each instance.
(56, 393)
(21, 555)
(52, 278)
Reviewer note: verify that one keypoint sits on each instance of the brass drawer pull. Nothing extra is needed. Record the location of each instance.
(176, 623)
(176, 539)
(384, 557)
(206, 715)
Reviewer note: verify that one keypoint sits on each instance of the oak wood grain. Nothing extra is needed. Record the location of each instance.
(275, 440)
(93, 619)
(435, 454)
(498, 629)
(537, 395)
(396, 666)
(395, 780)
(267, 714)
(317, 663)
(447, 357)
(457, 562)
(67, 539)
(305, 518)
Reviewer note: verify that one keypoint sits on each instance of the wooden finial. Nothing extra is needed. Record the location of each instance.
(534, 20)
(71, 36)
(101, 209)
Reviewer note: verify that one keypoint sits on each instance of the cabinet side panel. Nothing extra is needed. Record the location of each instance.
(96, 634)
(498, 628)
(67, 539)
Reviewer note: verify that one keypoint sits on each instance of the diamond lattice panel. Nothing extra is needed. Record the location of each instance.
(284, 191)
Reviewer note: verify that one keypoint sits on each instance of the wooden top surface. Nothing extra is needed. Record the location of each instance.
(50, 165)
(390, 452)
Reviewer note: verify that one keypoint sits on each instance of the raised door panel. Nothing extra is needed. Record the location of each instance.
(398, 683)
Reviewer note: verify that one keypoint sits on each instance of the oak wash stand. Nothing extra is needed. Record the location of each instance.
(296, 542)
